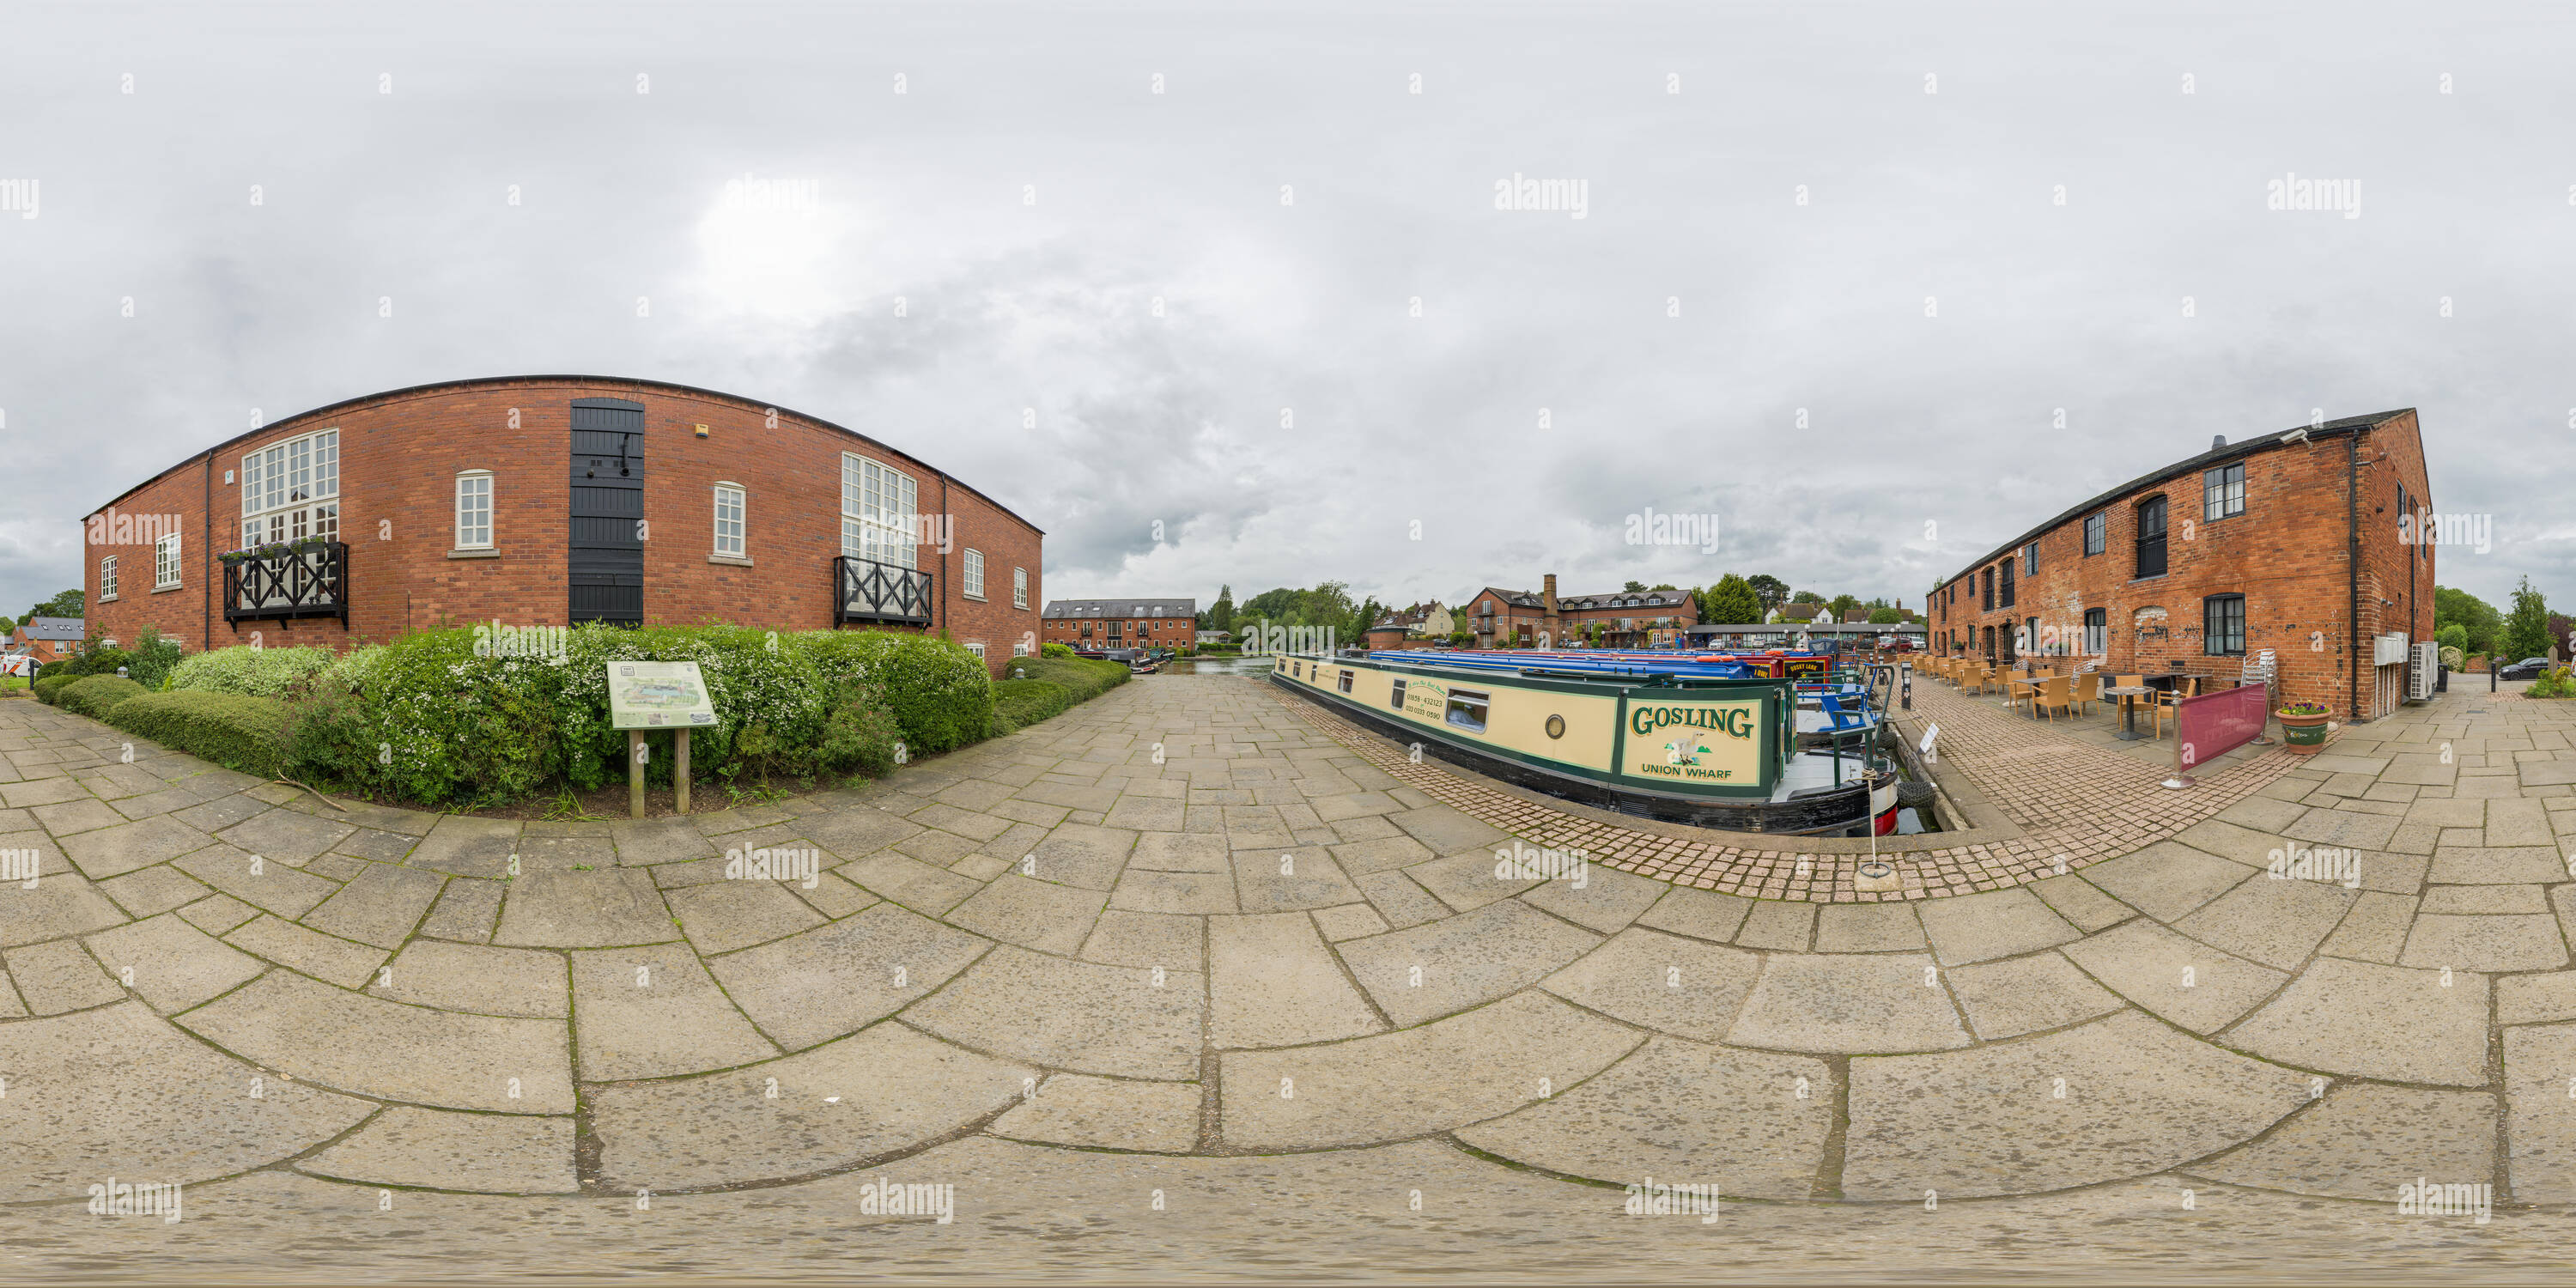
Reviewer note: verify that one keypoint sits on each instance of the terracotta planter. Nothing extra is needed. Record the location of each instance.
(2303, 734)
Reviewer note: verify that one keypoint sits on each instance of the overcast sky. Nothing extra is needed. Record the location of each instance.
(1288, 197)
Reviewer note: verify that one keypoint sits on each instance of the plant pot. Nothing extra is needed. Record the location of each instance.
(2303, 734)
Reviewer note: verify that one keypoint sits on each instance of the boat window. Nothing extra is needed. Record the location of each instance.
(1467, 709)
(1297, 670)
(1346, 681)
(1397, 701)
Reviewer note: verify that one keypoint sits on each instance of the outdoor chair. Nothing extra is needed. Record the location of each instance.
(2171, 699)
(2054, 695)
(2085, 690)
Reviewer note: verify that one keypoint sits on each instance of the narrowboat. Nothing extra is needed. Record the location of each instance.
(1713, 744)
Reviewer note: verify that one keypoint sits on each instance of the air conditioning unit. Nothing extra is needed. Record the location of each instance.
(2389, 649)
(2423, 670)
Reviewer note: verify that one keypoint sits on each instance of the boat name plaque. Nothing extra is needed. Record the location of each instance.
(1705, 742)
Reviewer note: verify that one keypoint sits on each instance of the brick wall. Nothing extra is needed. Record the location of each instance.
(2286, 554)
(400, 454)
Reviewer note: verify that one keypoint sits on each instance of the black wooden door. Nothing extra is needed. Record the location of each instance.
(605, 559)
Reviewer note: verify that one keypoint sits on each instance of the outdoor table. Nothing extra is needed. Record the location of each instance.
(2033, 686)
(2128, 710)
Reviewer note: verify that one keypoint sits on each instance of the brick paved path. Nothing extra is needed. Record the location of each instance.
(1183, 919)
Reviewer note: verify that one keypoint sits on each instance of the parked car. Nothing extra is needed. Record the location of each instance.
(19, 664)
(2528, 668)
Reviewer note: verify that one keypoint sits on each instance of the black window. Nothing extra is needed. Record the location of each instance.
(2029, 634)
(2222, 626)
(2151, 537)
(1397, 701)
(1346, 681)
(1467, 709)
(2222, 493)
(2097, 631)
(2030, 559)
(2004, 595)
(2095, 528)
(1990, 590)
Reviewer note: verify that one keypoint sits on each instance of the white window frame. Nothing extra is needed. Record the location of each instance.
(106, 578)
(485, 493)
(976, 647)
(1019, 588)
(880, 512)
(165, 562)
(974, 579)
(290, 489)
(739, 546)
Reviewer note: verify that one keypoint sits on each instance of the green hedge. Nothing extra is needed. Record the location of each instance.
(96, 695)
(1037, 688)
(50, 687)
(253, 672)
(232, 730)
(1018, 704)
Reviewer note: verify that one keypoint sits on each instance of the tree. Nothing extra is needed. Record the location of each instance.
(1730, 602)
(1770, 590)
(2526, 631)
(1663, 585)
(1842, 604)
(1884, 616)
(1220, 614)
(66, 604)
(1632, 588)
(1806, 597)
(7, 625)
(2474, 615)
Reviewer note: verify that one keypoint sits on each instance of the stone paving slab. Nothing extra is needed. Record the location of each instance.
(444, 1150)
(480, 979)
(271, 887)
(1446, 966)
(1273, 982)
(1107, 1113)
(655, 1012)
(170, 964)
(2365, 1139)
(597, 909)
(1855, 1002)
(1664, 982)
(59, 906)
(2018, 995)
(1077, 1016)
(2539, 1067)
(2374, 1021)
(391, 1050)
(2176, 977)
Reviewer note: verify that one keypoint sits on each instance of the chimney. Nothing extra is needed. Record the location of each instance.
(1547, 598)
(2217, 441)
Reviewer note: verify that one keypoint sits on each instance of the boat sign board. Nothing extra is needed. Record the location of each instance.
(658, 695)
(1707, 743)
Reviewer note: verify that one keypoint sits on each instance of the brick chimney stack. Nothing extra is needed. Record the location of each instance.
(1547, 598)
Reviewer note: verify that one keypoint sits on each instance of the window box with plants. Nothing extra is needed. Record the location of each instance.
(2303, 727)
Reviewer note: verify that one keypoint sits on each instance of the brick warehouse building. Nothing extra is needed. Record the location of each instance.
(1169, 622)
(2288, 542)
(1627, 619)
(552, 500)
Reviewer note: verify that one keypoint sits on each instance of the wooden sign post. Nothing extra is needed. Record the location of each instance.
(657, 695)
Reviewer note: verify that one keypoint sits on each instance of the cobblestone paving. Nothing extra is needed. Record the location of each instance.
(1185, 920)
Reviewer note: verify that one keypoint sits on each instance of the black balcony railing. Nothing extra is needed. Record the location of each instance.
(305, 581)
(867, 591)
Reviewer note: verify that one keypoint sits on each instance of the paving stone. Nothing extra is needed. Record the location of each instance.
(1848, 1002)
(1077, 854)
(325, 957)
(1400, 900)
(1432, 970)
(2167, 880)
(1380, 855)
(584, 910)
(833, 895)
(126, 847)
(1107, 1113)
(376, 846)
(2238, 844)
(936, 848)
(1290, 879)
(2082, 903)
(2140, 1099)
(1391, 1086)
(45, 791)
(2262, 813)
(175, 965)
(542, 853)
(442, 1149)
(1349, 921)
(2149, 964)
(468, 847)
(2492, 943)
(1078, 1016)
(78, 1109)
(2517, 822)
(1680, 1110)
(381, 905)
(466, 912)
(1198, 893)
(1467, 881)
(2275, 923)
(1272, 982)
(285, 835)
(653, 1012)
(218, 913)
(2353, 1142)
(2485, 900)
(1033, 914)
(1446, 830)
(1147, 939)
(2018, 995)
(2536, 999)
(2540, 1127)
(390, 1050)
(1661, 981)
(59, 906)
(272, 887)
(2448, 812)
(77, 816)
(910, 882)
(647, 842)
(2488, 865)
(58, 976)
(1606, 902)
(833, 980)
(478, 978)
(725, 915)
(1982, 927)
(2343, 828)
(874, 1094)
(1700, 914)
(1179, 852)
(1784, 926)
(2375, 929)
(2373, 1021)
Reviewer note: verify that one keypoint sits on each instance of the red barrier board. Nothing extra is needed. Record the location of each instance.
(2214, 724)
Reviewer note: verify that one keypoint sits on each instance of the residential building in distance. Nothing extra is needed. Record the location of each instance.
(1504, 618)
(1146, 622)
(2305, 543)
(47, 639)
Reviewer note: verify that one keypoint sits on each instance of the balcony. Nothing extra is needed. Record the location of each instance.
(879, 593)
(282, 583)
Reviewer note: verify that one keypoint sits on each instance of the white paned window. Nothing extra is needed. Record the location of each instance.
(474, 510)
(1019, 588)
(974, 574)
(975, 647)
(165, 562)
(107, 577)
(292, 490)
(879, 512)
(729, 509)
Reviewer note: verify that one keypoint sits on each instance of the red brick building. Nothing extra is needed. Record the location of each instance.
(1627, 619)
(47, 639)
(2289, 542)
(552, 500)
(1168, 622)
